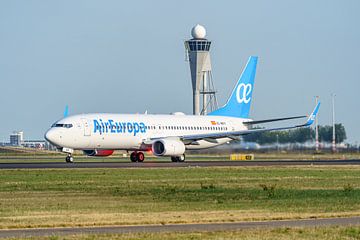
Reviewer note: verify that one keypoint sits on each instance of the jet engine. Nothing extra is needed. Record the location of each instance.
(98, 153)
(168, 147)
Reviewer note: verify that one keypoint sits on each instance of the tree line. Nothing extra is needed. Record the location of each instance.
(299, 135)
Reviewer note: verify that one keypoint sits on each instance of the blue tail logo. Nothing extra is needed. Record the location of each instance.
(238, 105)
(243, 93)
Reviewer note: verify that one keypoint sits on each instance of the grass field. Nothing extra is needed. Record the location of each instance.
(93, 197)
(20, 154)
(60, 157)
(322, 233)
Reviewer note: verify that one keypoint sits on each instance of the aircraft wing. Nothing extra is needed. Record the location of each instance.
(271, 120)
(235, 134)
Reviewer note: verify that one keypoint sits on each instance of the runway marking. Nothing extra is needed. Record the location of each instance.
(172, 165)
(201, 227)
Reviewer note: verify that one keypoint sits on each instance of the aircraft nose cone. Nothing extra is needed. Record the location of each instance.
(50, 136)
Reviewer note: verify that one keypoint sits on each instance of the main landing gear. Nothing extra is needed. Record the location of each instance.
(137, 157)
(69, 158)
(178, 158)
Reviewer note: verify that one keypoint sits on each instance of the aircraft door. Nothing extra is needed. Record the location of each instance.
(86, 125)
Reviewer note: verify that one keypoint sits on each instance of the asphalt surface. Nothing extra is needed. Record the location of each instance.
(172, 165)
(179, 227)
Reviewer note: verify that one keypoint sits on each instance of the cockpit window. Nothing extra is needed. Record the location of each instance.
(63, 125)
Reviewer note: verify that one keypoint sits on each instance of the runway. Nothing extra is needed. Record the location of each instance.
(179, 227)
(159, 164)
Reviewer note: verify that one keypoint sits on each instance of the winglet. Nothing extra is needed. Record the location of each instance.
(66, 111)
(312, 116)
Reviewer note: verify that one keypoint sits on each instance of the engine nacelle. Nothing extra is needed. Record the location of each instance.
(168, 147)
(99, 153)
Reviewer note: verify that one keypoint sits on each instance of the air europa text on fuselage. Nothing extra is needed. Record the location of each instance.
(110, 126)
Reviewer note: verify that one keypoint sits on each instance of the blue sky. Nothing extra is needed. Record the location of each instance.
(128, 57)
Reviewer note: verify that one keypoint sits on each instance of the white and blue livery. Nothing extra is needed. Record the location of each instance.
(99, 134)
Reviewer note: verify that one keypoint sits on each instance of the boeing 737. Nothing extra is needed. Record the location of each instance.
(100, 134)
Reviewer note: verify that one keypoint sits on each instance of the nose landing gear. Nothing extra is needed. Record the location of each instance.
(178, 158)
(137, 157)
(69, 158)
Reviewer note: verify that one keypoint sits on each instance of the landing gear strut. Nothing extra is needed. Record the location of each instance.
(69, 158)
(137, 157)
(178, 158)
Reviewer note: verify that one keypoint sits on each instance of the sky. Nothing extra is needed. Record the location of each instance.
(129, 57)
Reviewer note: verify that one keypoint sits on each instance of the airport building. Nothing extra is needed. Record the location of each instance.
(16, 138)
(40, 144)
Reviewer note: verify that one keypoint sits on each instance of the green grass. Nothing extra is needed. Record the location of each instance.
(319, 233)
(60, 157)
(76, 197)
(20, 154)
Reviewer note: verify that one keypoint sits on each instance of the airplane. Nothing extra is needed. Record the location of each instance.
(100, 134)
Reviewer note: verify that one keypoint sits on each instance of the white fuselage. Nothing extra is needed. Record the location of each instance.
(134, 131)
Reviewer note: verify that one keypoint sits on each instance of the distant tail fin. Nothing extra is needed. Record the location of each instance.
(238, 105)
(66, 111)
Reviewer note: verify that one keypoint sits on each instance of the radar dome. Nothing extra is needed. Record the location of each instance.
(198, 31)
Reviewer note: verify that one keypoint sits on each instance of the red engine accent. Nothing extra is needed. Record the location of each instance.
(99, 153)
(104, 153)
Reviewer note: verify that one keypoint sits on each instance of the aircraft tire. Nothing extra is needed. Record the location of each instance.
(140, 156)
(181, 158)
(69, 159)
(133, 157)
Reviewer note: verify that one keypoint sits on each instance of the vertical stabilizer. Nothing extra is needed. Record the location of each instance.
(238, 105)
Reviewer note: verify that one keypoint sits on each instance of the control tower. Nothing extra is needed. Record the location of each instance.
(198, 55)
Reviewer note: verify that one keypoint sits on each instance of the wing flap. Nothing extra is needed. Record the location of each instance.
(272, 120)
